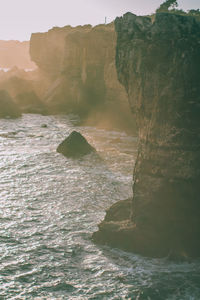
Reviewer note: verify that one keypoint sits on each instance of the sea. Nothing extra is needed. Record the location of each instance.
(49, 207)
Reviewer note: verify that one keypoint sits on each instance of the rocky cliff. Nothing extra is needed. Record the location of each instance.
(159, 64)
(23, 89)
(79, 63)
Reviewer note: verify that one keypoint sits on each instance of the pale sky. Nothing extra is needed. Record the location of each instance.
(19, 18)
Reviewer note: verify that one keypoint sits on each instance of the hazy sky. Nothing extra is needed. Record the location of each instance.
(19, 18)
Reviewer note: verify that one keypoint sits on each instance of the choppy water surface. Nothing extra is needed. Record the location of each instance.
(49, 207)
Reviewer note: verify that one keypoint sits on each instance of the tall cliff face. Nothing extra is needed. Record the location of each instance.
(159, 65)
(47, 49)
(80, 63)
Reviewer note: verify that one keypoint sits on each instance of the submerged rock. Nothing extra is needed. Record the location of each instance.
(44, 126)
(159, 65)
(15, 54)
(75, 145)
(8, 108)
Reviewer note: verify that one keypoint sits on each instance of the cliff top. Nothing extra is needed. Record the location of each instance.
(69, 28)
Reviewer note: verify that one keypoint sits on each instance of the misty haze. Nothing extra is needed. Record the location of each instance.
(100, 149)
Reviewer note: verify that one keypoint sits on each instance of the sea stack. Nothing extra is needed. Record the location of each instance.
(75, 146)
(159, 64)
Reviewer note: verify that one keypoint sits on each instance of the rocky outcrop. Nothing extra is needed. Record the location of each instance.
(23, 93)
(75, 146)
(119, 211)
(80, 64)
(159, 65)
(7, 106)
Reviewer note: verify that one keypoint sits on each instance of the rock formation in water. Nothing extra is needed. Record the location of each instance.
(75, 146)
(159, 64)
(8, 108)
(79, 63)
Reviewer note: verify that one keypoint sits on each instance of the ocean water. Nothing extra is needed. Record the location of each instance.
(51, 205)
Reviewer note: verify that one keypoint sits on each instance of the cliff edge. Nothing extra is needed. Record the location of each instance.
(159, 65)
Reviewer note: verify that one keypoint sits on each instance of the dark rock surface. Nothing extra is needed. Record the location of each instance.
(119, 211)
(75, 146)
(8, 108)
(44, 126)
(159, 65)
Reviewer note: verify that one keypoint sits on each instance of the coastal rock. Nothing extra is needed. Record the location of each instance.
(7, 106)
(44, 126)
(119, 211)
(29, 102)
(80, 64)
(23, 92)
(15, 53)
(75, 146)
(159, 64)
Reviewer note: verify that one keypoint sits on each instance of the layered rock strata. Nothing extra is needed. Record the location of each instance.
(159, 64)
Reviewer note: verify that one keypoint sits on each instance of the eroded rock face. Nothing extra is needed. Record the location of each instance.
(77, 59)
(75, 146)
(7, 106)
(80, 63)
(159, 65)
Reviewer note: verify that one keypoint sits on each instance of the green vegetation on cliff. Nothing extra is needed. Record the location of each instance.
(171, 6)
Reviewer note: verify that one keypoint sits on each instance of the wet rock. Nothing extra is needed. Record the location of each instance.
(75, 145)
(8, 108)
(119, 211)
